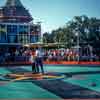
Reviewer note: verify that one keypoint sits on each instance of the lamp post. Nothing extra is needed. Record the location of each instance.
(77, 45)
(39, 32)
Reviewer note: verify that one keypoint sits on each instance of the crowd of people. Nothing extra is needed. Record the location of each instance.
(61, 55)
(70, 55)
(23, 54)
(38, 55)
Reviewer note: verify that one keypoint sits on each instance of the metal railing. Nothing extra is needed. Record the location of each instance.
(25, 59)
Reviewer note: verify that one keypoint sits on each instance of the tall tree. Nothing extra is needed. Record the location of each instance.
(88, 30)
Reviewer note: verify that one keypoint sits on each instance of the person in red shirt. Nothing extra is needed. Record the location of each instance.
(32, 60)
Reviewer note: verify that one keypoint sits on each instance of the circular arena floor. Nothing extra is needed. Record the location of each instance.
(59, 81)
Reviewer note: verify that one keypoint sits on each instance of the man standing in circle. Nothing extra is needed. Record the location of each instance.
(39, 59)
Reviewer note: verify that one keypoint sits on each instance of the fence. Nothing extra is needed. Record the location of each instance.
(25, 59)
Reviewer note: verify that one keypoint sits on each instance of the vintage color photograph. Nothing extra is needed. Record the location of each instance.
(49, 49)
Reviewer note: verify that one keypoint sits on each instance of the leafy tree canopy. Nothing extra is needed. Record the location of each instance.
(86, 29)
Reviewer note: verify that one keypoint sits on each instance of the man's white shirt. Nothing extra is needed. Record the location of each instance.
(38, 53)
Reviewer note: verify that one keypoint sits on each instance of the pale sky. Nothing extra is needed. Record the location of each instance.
(55, 13)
